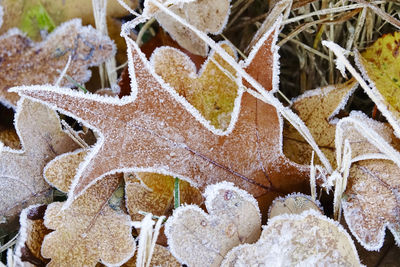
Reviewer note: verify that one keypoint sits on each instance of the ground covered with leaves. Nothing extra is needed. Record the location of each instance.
(200, 133)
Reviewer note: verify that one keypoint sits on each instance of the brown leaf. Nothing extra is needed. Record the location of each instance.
(88, 231)
(9, 138)
(308, 239)
(209, 16)
(159, 131)
(64, 10)
(161, 257)
(32, 233)
(317, 108)
(154, 193)
(199, 239)
(21, 171)
(24, 62)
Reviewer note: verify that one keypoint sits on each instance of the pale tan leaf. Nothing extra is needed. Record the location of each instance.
(209, 16)
(200, 239)
(306, 239)
(21, 171)
(89, 230)
(293, 204)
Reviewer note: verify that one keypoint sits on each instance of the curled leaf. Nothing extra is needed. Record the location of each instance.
(200, 239)
(306, 239)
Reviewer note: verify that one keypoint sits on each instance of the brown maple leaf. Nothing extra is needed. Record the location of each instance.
(159, 131)
(21, 171)
(24, 62)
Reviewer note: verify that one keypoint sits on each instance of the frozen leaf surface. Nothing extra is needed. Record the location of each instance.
(200, 239)
(25, 62)
(308, 239)
(32, 233)
(380, 64)
(88, 231)
(159, 131)
(209, 16)
(21, 171)
(154, 193)
(293, 204)
(371, 200)
(317, 108)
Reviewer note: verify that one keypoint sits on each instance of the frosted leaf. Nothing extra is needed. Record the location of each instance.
(308, 239)
(293, 204)
(209, 16)
(161, 257)
(87, 223)
(317, 108)
(200, 239)
(25, 63)
(379, 64)
(210, 91)
(61, 170)
(154, 193)
(21, 171)
(31, 235)
(159, 131)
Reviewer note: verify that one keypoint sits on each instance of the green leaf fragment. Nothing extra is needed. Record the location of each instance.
(36, 20)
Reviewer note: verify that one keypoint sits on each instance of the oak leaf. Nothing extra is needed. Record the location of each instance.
(371, 200)
(89, 230)
(233, 218)
(209, 16)
(317, 108)
(305, 239)
(21, 171)
(24, 62)
(159, 131)
(379, 64)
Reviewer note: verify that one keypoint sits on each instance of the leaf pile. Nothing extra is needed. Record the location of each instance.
(187, 155)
